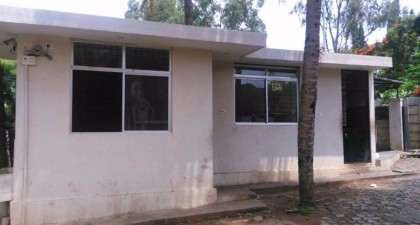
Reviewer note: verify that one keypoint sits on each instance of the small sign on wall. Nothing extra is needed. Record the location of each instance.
(28, 60)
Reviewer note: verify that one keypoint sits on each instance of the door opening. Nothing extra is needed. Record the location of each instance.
(356, 123)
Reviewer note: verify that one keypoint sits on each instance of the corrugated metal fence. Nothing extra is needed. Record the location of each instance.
(412, 122)
(382, 128)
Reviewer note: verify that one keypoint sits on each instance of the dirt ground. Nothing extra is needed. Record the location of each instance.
(276, 213)
(327, 210)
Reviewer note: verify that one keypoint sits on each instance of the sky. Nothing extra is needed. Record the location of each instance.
(284, 31)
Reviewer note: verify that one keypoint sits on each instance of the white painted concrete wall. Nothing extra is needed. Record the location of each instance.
(6, 187)
(85, 175)
(328, 149)
(396, 138)
(266, 153)
(372, 124)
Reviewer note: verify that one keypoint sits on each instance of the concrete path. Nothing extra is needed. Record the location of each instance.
(392, 201)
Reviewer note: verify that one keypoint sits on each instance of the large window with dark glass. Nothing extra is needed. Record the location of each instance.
(265, 95)
(117, 88)
(146, 103)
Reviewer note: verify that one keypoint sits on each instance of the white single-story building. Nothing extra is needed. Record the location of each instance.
(117, 116)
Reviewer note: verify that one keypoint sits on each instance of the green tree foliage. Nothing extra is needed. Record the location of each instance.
(9, 81)
(402, 43)
(393, 12)
(412, 78)
(205, 12)
(346, 24)
(241, 15)
(7, 111)
(417, 25)
(166, 11)
(224, 14)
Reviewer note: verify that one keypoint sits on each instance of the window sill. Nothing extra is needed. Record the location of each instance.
(124, 132)
(147, 132)
(265, 124)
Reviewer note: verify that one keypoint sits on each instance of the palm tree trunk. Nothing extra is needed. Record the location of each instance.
(188, 12)
(308, 95)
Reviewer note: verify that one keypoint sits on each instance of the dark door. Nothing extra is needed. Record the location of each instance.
(356, 132)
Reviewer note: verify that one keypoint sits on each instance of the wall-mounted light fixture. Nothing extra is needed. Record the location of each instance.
(9, 41)
(13, 43)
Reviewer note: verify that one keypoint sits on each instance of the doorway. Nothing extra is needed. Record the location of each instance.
(356, 123)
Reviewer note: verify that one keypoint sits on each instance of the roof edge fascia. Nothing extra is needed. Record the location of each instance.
(327, 59)
(47, 18)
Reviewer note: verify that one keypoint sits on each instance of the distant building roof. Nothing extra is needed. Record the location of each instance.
(382, 80)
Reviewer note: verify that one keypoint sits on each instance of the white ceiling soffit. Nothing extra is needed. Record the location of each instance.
(281, 57)
(142, 33)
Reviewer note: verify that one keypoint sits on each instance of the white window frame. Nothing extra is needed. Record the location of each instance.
(265, 78)
(124, 71)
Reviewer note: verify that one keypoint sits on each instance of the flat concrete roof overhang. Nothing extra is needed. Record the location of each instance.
(279, 57)
(223, 43)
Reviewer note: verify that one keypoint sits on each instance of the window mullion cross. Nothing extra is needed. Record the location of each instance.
(108, 97)
(265, 96)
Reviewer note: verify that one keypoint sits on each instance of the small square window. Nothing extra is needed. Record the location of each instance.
(281, 73)
(97, 55)
(147, 59)
(250, 71)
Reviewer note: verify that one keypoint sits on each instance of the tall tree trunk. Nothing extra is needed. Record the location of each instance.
(3, 139)
(308, 95)
(394, 14)
(152, 10)
(188, 12)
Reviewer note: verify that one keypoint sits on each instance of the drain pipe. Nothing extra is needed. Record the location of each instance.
(25, 143)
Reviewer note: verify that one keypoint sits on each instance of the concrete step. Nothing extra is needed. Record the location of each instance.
(174, 216)
(386, 160)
